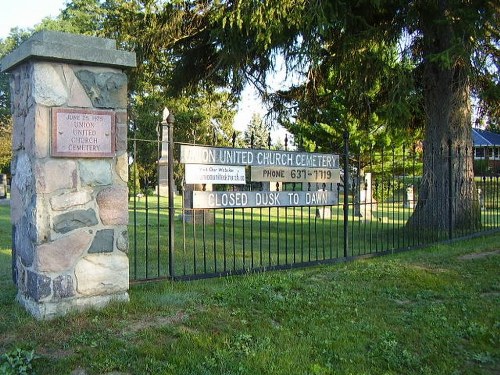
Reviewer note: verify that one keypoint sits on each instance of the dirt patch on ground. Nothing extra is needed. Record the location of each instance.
(156, 322)
(490, 295)
(480, 255)
(402, 302)
(5, 340)
(428, 268)
(55, 354)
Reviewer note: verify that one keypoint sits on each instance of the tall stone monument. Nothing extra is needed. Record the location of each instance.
(163, 161)
(69, 197)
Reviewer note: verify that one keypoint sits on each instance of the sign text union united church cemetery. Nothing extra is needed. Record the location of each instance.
(216, 165)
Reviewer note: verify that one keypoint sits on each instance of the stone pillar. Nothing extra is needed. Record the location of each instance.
(69, 198)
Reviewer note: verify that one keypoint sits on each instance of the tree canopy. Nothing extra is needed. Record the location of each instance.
(131, 23)
(257, 133)
(379, 69)
(384, 70)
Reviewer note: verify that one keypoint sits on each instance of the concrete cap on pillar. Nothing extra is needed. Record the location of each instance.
(65, 47)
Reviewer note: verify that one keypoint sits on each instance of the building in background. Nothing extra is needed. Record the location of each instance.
(486, 151)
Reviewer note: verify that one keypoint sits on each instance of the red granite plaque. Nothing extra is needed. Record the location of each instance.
(83, 133)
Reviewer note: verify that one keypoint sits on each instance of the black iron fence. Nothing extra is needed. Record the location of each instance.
(375, 214)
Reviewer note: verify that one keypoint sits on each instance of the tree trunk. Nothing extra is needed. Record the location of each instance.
(447, 196)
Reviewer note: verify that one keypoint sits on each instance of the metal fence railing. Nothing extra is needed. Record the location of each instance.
(375, 214)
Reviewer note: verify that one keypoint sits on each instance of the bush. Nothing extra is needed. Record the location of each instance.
(17, 362)
(481, 168)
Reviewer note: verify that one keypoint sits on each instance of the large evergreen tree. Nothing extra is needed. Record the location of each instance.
(449, 51)
(375, 68)
(446, 32)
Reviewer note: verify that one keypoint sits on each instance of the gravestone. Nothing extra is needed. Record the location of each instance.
(409, 197)
(322, 212)
(3, 186)
(163, 161)
(190, 215)
(364, 203)
(69, 196)
(480, 198)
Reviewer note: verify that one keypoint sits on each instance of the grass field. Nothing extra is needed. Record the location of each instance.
(430, 311)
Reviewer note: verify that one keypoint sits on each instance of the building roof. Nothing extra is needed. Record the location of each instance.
(485, 138)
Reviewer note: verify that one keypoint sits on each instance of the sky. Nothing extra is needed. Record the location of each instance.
(27, 13)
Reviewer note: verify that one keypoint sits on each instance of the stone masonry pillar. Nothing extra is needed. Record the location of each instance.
(69, 197)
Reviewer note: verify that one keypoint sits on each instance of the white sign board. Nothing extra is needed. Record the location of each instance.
(220, 165)
(231, 199)
(243, 156)
(288, 174)
(215, 174)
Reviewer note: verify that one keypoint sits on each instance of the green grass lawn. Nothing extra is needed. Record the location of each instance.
(243, 239)
(430, 311)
